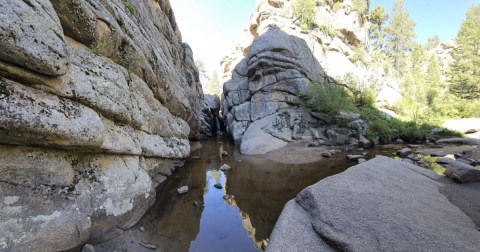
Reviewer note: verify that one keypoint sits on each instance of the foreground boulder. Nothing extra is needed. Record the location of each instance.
(380, 205)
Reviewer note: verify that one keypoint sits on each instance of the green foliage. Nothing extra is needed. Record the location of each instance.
(359, 55)
(329, 98)
(129, 5)
(328, 29)
(337, 6)
(465, 71)
(388, 129)
(399, 36)
(213, 85)
(378, 19)
(360, 6)
(305, 10)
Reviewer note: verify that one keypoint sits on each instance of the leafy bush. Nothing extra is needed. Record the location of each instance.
(305, 10)
(329, 98)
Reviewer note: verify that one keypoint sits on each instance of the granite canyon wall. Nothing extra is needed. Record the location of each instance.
(98, 100)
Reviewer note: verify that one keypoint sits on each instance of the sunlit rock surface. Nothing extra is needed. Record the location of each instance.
(98, 100)
(384, 205)
(269, 70)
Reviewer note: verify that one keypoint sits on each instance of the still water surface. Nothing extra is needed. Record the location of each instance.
(260, 188)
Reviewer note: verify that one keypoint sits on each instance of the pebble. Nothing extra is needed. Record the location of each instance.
(141, 229)
(225, 167)
(439, 154)
(182, 190)
(224, 154)
(88, 248)
(354, 157)
(404, 152)
(327, 154)
(218, 186)
(148, 246)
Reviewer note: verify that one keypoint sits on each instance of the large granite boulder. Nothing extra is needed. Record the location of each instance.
(98, 100)
(379, 205)
(259, 101)
(270, 71)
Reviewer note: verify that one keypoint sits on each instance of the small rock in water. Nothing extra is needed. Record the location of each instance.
(88, 248)
(141, 229)
(327, 154)
(399, 141)
(444, 160)
(333, 152)
(355, 157)
(439, 154)
(404, 152)
(416, 159)
(410, 156)
(182, 190)
(227, 197)
(195, 157)
(218, 186)
(197, 204)
(224, 154)
(148, 246)
(413, 146)
(467, 152)
(362, 160)
(225, 167)
(315, 144)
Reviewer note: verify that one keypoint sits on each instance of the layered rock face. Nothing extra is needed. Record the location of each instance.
(267, 78)
(381, 205)
(97, 102)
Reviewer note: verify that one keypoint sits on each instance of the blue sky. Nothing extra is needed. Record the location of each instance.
(212, 26)
(433, 17)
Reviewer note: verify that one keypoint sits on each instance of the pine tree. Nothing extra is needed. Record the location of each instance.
(399, 36)
(465, 70)
(378, 18)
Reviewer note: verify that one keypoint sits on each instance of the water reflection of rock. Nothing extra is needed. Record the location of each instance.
(261, 188)
(246, 222)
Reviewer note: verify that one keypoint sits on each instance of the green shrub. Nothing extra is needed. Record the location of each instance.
(329, 98)
(305, 10)
(359, 54)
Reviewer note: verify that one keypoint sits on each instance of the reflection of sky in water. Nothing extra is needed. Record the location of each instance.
(221, 226)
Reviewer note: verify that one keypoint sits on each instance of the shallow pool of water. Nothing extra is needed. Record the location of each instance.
(202, 220)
